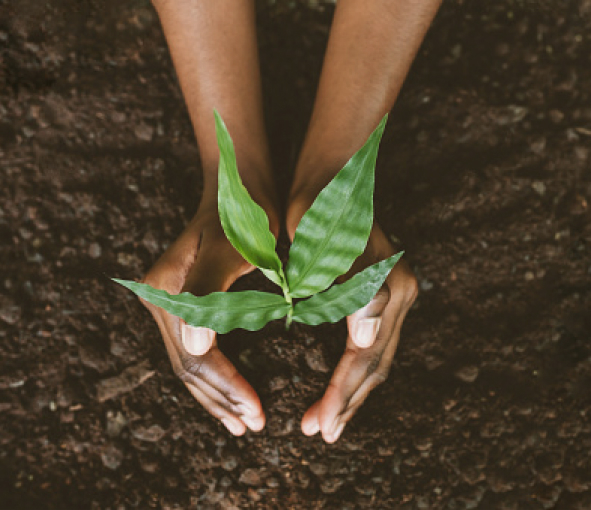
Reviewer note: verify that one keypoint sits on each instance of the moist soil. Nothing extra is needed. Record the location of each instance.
(484, 177)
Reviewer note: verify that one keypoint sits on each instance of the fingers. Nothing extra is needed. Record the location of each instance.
(224, 392)
(354, 378)
(233, 424)
(212, 379)
(214, 382)
(310, 424)
(218, 379)
(359, 371)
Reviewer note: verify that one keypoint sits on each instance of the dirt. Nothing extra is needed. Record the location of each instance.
(484, 176)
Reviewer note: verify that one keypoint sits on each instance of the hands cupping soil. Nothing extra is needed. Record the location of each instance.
(202, 260)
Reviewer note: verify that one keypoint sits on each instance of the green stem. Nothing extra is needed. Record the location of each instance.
(288, 319)
(289, 299)
(286, 294)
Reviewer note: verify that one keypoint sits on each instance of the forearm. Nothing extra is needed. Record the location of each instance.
(214, 50)
(370, 51)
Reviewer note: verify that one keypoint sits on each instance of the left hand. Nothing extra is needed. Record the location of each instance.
(373, 334)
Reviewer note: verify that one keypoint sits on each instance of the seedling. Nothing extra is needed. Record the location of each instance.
(328, 239)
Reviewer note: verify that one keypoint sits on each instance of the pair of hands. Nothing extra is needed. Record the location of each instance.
(202, 260)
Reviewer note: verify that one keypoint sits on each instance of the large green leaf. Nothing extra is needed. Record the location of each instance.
(346, 298)
(220, 311)
(245, 223)
(334, 231)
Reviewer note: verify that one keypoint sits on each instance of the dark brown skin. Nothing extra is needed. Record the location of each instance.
(213, 46)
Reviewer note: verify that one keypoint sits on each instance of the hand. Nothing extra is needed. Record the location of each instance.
(201, 261)
(373, 336)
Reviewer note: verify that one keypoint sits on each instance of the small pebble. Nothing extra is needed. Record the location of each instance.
(144, 132)
(538, 145)
(128, 260)
(118, 117)
(229, 463)
(250, 477)
(303, 480)
(318, 469)
(315, 359)
(225, 482)
(112, 457)
(10, 312)
(423, 444)
(94, 250)
(151, 434)
(149, 466)
(556, 116)
(279, 426)
(467, 374)
(426, 285)
(28, 132)
(126, 381)
(539, 187)
(331, 485)
(116, 422)
(582, 153)
(151, 243)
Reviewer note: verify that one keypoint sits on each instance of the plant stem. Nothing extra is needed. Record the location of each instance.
(289, 299)
(288, 318)
(286, 294)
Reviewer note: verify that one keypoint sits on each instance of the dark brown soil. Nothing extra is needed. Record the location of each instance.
(484, 175)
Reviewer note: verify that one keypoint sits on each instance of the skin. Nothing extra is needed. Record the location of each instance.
(213, 47)
(369, 53)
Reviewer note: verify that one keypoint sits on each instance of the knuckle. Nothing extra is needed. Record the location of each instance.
(380, 376)
(189, 369)
(377, 370)
(373, 364)
(383, 295)
(350, 352)
(407, 291)
(181, 373)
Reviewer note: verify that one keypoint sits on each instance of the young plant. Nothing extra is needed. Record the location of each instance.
(328, 239)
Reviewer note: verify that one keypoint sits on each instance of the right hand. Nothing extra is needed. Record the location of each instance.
(201, 261)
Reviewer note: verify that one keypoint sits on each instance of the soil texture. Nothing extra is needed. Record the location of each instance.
(484, 177)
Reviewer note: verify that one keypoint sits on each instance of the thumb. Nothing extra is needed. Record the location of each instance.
(215, 268)
(365, 323)
(197, 341)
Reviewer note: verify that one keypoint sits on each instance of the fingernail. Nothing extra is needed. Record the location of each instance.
(252, 424)
(232, 426)
(314, 429)
(311, 430)
(366, 331)
(197, 341)
(337, 433)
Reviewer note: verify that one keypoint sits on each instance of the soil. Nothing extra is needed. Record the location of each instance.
(484, 176)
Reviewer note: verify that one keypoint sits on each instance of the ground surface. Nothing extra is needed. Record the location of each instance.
(484, 175)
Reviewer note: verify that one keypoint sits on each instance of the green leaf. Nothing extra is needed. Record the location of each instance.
(346, 298)
(220, 311)
(335, 230)
(245, 223)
